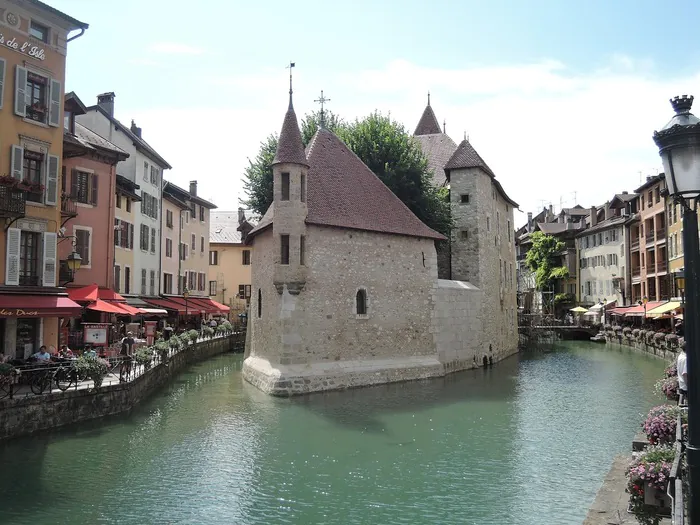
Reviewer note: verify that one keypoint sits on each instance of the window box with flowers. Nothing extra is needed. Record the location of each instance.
(647, 480)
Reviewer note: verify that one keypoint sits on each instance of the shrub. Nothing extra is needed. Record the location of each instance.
(608, 327)
(193, 335)
(671, 370)
(626, 331)
(636, 332)
(617, 328)
(174, 342)
(660, 424)
(652, 468)
(8, 373)
(658, 338)
(144, 356)
(94, 368)
(668, 386)
(208, 331)
(672, 340)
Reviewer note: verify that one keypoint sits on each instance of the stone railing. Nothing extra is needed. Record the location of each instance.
(656, 343)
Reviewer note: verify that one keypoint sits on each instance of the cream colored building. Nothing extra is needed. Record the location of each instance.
(125, 203)
(230, 260)
(185, 241)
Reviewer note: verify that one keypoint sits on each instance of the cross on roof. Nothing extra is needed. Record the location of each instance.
(321, 100)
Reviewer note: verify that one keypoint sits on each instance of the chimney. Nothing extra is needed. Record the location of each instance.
(608, 211)
(624, 193)
(193, 188)
(529, 221)
(241, 216)
(106, 102)
(135, 129)
(550, 214)
(594, 216)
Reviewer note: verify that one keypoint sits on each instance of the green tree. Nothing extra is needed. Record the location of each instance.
(310, 124)
(544, 260)
(257, 177)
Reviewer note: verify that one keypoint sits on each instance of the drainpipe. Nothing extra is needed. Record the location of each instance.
(82, 32)
(111, 212)
(179, 252)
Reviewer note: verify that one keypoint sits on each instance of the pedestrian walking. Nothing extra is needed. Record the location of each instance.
(682, 368)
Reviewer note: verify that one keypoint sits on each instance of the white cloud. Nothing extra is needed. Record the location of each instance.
(547, 131)
(175, 48)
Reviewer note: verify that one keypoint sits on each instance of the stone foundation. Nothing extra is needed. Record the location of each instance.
(662, 352)
(289, 380)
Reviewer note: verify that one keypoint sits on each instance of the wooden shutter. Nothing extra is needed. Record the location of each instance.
(49, 259)
(131, 236)
(51, 191)
(21, 91)
(55, 108)
(12, 257)
(3, 63)
(74, 183)
(93, 196)
(63, 179)
(17, 162)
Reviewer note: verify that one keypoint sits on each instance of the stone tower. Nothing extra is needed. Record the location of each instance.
(290, 170)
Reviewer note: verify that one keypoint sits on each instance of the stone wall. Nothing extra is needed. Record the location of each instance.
(662, 351)
(456, 324)
(483, 253)
(26, 415)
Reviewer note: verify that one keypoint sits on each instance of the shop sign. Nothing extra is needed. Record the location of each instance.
(18, 312)
(95, 333)
(26, 48)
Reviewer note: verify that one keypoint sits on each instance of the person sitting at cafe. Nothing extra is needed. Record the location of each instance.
(42, 355)
(65, 351)
(90, 352)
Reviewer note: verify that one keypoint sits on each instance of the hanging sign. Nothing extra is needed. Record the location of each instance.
(26, 48)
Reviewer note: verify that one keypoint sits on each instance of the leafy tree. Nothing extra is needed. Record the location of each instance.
(544, 260)
(384, 146)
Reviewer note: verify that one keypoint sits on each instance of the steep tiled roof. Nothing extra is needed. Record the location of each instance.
(428, 123)
(465, 156)
(265, 222)
(88, 136)
(343, 192)
(438, 149)
(223, 227)
(290, 147)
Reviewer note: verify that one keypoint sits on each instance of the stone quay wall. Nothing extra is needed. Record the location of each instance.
(27, 415)
(662, 350)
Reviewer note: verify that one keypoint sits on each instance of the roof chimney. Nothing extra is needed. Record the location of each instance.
(193, 188)
(529, 221)
(608, 211)
(135, 129)
(106, 102)
(624, 193)
(594, 216)
(241, 216)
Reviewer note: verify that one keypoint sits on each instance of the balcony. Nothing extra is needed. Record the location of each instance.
(649, 237)
(634, 244)
(29, 279)
(661, 266)
(12, 202)
(660, 236)
(636, 271)
(68, 207)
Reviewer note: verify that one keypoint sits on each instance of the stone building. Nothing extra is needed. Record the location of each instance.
(345, 288)
(481, 250)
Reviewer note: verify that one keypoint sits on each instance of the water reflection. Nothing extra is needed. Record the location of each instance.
(526, 442)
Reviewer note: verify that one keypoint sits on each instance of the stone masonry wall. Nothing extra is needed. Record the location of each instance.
(27, 415)
(483, 254)
(456, 324)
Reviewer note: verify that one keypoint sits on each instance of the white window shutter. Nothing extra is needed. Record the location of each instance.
(3, 64)
(49, 259)
(12, 258)
(21, 91)
(17, 162)
(55, 100)
(51, 191)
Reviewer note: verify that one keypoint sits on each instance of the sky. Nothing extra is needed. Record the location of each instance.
(559, 97)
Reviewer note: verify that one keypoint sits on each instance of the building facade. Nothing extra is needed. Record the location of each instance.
(185, 243)
(143, 167)
(648, 250)
(34, 40)
(126, 202)
(230, 260)
(88, 187)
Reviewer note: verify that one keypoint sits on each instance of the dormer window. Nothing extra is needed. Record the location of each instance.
(285, 186)
(69, 122)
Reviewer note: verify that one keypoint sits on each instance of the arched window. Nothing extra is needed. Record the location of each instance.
(361, 302)
(259, 303)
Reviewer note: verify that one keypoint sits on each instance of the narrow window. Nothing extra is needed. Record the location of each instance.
(361, 302)
(246, 257)
(285, 186)
(259, 303)
(302, 250)
(284, 251)
(464, 234)
(464, 198)
(302, 188)
(488, 224)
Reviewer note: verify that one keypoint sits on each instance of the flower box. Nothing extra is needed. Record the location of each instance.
(656, 497)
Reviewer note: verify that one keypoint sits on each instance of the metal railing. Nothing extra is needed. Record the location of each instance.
(661, 266)
(634, 243)
(676, 482)
(660, 235)
(649, 237)
(68, 206)
(12, 202)
(636, 271)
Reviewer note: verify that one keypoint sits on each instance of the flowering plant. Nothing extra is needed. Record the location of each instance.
(30, 186)
(8, 373)
(668, 386)
(93, 368)
(660, 424)
(651, 469)
(671, 370)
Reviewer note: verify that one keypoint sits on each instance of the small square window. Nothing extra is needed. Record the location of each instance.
(39, 31)
(464, 234)
(284, 249)
(464, 198)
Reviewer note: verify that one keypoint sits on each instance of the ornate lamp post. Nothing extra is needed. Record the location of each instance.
(679, 147)
(186, 295)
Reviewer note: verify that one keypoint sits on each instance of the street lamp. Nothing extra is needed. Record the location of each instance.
(602, 310)
(679, 277)
(679, 147)
(186, 294)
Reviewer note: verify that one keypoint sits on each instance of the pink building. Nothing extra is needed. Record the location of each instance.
(87, 201)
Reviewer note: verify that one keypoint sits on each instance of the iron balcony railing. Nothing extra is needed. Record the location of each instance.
(636, 271)
(635, 243)
(68, 206)
(660, 235)
(12, 202)
(650, 237)
(661, 266)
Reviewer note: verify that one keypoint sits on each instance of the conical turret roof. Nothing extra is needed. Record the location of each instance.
(465, 156)
(290, 147)
(428, 123)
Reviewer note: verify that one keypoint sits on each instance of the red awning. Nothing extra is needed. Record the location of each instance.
(222, 307)
(166, 304)
(109, 308)
(38, 306)
(620, 310)
(131, 310)
(203, 304)
(86, 293)
(109, 295)
(639, 310)
(195, 305)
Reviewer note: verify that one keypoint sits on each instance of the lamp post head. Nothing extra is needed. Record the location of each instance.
(679, 146)
(679, 277)
(185, 293)
(74, 260)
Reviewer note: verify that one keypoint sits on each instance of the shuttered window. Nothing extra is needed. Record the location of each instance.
(29, 258)
(82, 245)
(143, 282)
(144, 236)
(153, 240)
(84, 187)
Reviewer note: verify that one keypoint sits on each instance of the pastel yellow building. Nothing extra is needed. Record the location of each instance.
(230, 260)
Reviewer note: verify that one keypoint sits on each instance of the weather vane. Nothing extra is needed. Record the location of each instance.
(321, 100)
(290, 66)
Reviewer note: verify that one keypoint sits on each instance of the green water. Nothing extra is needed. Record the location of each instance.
(527, 442)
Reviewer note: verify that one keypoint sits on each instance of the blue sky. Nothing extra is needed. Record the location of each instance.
(557, 96)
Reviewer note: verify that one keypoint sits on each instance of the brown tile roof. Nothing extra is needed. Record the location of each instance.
(465, 156)
(344, 192)
(438, 148)
(428, 123)
(290, 147)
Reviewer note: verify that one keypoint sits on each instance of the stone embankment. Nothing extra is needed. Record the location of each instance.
(659, 344)
(26, 415)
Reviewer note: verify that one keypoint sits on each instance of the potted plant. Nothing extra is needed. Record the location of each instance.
(668, 386)
(627, 332)
(660, 424)
(174, 342)
(647, 479)
(144, 356)
(659, 339)
(6, 180)
(94, 368)
(8, 374)
(193, 335)
(671, 370)
(671, 340)
(208, 331)
(162, 348)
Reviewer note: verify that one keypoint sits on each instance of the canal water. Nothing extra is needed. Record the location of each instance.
(527, 442)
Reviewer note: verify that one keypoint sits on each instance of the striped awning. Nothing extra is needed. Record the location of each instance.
(664, 308)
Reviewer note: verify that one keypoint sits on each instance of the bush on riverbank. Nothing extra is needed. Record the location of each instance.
(650, 471)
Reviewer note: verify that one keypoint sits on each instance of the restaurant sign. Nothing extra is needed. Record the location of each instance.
(26, 48)
(18, 312)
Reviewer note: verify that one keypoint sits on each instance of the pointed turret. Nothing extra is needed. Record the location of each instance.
(465, 156)
(428, 123)
(290, 148)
